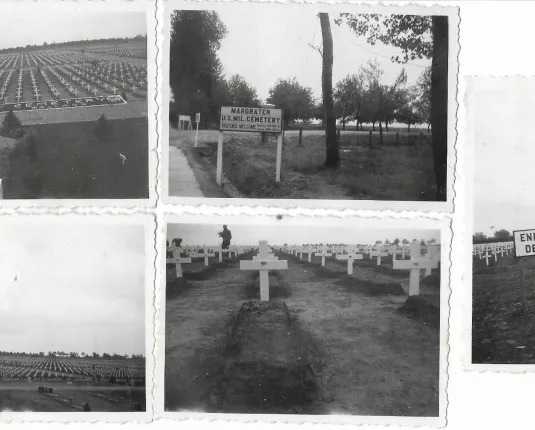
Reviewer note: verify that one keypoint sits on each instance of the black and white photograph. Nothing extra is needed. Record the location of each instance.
(344, 320)
(73, 325)
(74, 93)
(503, 235)
(273, 101)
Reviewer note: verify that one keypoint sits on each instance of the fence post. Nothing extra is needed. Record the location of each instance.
(300, 136)
(219, 171)
(370, 139)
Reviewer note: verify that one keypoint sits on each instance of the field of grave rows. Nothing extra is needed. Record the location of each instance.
(61, 78)
(503, 312)
(58, 368)
(299, 325)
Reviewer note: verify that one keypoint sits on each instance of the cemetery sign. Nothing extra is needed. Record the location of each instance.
(251, 119)
(524, 243)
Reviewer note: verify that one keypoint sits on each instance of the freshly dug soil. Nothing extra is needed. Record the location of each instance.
(372, 288)
(422, 309)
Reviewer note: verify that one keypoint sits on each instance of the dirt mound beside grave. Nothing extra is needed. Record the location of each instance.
(266, 364)
(432, 282)
(422, 309)
(176, 287)
(372, 288)
(277, 289)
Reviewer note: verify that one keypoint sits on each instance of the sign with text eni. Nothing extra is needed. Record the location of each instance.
(524, 242)
(251, 119)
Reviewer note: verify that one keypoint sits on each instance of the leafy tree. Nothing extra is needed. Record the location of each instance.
(378, 242)
(423, 101)
(408, 111)
(418, 36)
(396, 242)
(240, 93)
(503, 235)
(104, 129)
(479, 237)
(331, 142)
(295, 100)
(348, 95)
(195, 71)
(11, 126)
(405, 242)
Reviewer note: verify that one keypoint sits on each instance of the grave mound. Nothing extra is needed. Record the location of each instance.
(372, 288)
(266, 363)
(176, 287)
(423, 309)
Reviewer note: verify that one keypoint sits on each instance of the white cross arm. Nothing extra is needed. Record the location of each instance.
(263, 265)
(349, 257)
(178, 260)
(420, 263)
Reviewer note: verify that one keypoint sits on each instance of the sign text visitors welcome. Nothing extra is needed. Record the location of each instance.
(251, 119)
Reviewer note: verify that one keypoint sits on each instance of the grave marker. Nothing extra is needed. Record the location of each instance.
(263, 264)
(350, 258)
(416, 263)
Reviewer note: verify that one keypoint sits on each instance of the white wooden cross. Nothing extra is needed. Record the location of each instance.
(416, 263)
(378, 253)
(263, 264)
(324, 253)
(177, 260)
(486, 255)
(350, 258)
(203, 254)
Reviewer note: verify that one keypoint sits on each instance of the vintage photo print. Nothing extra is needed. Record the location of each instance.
(75, 93)
(501, 331)
(76, 332)
(303, 320)
(310, 105)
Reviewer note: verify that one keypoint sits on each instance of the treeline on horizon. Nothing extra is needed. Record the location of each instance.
(499, 236)
(377, 242)
(61, 354)
(71, 43)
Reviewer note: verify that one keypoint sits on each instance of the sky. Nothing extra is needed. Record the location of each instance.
(206, 234)
(504, 151)
(31, 28)
(268, 44)
(72, 288)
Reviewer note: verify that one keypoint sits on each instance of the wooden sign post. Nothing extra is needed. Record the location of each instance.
(242, 119)
(197, 120)
(524, 243)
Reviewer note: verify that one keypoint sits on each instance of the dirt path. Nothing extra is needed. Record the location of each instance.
(380, 362)
(371, 359)
(195, 324)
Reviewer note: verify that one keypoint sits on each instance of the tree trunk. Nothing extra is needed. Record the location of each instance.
(332, 151)
(439, 103)
(380, 133)
(343, 123)
(386, 126)
(409, 127)
(373, 126)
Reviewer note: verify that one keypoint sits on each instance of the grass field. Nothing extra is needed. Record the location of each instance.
(321, 345)
(382, 172)
(503, 331)
(69, 161)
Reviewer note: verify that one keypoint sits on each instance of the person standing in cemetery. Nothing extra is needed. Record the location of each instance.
(226, 235)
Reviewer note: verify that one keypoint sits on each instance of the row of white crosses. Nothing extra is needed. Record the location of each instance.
(5, 85)
(490, 250)
(19, 86)
(68, 86)
(351, 253)
(264, 261)
(36, 93)
(50, 85)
